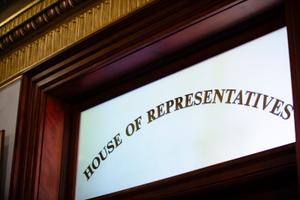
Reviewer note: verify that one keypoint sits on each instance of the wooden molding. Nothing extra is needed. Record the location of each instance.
(24, 14)
(293, 28)
(35, 16)
(93, 16)
(151, 45)
(212, 182)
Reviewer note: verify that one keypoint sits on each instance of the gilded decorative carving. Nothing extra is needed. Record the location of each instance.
(15, 29)
(91, 18)
(25, 14)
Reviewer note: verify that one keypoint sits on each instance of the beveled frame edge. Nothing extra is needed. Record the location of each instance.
(37, 87)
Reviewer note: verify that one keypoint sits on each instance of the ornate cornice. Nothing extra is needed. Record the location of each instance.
(87, 20)
(31, 19)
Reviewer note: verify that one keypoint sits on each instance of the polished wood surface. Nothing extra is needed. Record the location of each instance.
(150, 40)
(152, 44)
(2, 138)
(51, 157)
(293, 27)
(227, 180)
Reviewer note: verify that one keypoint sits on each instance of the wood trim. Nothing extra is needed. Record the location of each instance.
(204, 182)
(2, 143)
(28, 142)
(53, 144)
(49, 105)
(152, 71)
(293, 28)
(122, 46)
(59, 25)
(71, 142)
(17, 18)
(37, 15)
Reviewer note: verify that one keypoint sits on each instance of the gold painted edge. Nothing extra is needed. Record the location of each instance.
(37, 19)
(17, 14)
(24, 14)
(66, 33)
(8, 83)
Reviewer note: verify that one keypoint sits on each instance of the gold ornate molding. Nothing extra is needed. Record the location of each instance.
(85, 22)
(31, 18)
(24, 14)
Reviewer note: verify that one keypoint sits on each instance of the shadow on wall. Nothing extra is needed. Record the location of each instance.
(9, 100)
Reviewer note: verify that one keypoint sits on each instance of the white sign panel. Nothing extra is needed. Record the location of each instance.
(231, 105)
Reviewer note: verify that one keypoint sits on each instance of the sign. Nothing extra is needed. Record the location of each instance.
(229, 106)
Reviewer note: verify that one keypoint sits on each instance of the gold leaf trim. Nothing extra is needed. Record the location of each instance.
(24, 14)
(66, 33)
(35, 17)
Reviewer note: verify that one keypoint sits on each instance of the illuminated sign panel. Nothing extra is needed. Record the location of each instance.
(229, 106)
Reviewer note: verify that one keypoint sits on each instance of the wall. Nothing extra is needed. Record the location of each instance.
(9, 98)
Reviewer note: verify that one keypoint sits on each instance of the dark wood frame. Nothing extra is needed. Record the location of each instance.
(2, 137)
(129, 54)
(2, 143)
